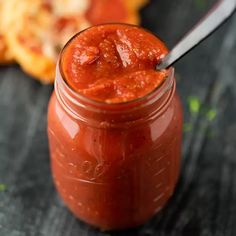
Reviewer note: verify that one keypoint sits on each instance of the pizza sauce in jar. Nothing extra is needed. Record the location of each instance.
(114, 127)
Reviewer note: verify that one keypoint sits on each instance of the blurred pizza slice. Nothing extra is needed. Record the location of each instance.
(38, 31)
(5, 55)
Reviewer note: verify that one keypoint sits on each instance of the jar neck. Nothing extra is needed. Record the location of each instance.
(103, 115)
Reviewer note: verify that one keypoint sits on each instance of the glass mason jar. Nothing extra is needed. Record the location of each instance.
(115, 165)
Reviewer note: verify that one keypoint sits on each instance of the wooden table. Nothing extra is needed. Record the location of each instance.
(204, 202)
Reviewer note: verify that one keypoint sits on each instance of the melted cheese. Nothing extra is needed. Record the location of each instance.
(64, 7)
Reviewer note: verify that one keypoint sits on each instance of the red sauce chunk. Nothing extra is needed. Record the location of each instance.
(113, 63)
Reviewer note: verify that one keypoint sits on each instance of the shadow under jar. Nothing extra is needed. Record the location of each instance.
(115, 165)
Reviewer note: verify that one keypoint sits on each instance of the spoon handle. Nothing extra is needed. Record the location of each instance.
(215, 17)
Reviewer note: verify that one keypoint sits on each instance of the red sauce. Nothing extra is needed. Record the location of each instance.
(113, 63)
(114, 165)
(103, 11)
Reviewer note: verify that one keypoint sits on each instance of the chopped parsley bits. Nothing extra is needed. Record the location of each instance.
(3, 187)
(211, 114)
(187, 127)
(201, 4)
(194, 104)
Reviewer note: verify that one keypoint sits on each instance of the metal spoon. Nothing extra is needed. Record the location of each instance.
(219, 13)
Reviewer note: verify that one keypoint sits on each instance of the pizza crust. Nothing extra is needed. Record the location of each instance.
(5, 54)
(133, 7)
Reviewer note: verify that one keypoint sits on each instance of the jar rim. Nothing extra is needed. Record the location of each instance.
(155, 94)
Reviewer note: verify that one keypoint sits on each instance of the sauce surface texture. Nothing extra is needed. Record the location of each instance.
(113, 63)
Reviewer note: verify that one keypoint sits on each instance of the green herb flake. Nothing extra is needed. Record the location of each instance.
(211, 114)
(187, 127)
(194, 104)
(211, 134)
(178, 77)
(201, 4)
(3, 187)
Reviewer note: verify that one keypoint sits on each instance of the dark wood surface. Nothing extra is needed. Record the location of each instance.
(204, 202)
